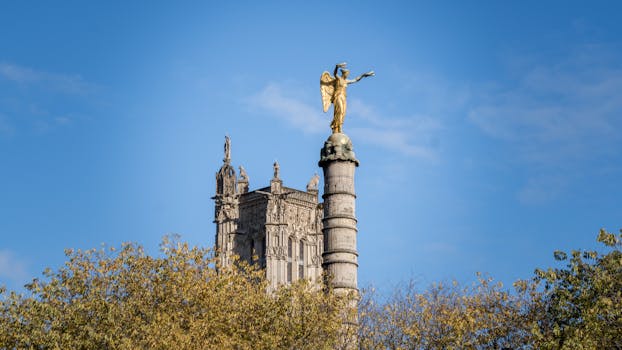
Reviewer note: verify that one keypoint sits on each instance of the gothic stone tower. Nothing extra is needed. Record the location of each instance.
(278, 227)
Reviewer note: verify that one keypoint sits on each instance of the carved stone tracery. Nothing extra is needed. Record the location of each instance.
(261, 223)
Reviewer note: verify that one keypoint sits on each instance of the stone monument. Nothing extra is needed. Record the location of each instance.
(337, 159)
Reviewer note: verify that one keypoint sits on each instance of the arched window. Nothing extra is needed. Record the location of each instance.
(301, 260)
(289, 260)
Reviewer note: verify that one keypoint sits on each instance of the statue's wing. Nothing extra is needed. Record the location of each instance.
(327, 89)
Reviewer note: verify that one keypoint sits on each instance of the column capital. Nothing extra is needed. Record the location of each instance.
(337, 147)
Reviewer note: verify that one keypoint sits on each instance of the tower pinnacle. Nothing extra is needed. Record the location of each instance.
(227, 158)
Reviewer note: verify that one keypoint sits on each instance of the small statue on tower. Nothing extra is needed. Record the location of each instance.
(313, 183)
(276, 169)
(243, 174)
(227, 158)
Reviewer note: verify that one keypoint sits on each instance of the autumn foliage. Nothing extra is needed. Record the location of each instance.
(126, 299)
(446, 316)
(577, 306)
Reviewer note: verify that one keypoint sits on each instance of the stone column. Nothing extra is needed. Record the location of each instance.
(339, 223)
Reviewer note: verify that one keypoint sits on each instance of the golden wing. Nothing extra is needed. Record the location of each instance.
(327, 89)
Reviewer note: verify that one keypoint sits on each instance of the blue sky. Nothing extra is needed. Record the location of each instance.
(488, 138)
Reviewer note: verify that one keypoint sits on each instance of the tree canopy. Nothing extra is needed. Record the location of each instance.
(581, 305)
(447, 316)
(577, 306)
(126, 299)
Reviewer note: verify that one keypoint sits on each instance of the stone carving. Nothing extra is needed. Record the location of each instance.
(225, 177)
(228, 212)
(268, 217)
(337, 147)
(280, 252)
(276, 169)
(333, 90)
(290, 216)
(313, 183)
(319, 215)
(282, 210)
(316, 260)
(227, 158)
(243, 174)
(243, 181)
(274, 211)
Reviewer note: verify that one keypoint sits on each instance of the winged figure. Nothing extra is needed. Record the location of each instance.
(333, 90)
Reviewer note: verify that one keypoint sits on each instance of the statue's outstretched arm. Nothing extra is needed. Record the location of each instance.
(337, 66)
(365, 75)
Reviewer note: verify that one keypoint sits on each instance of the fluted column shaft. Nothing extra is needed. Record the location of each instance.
(340, 257)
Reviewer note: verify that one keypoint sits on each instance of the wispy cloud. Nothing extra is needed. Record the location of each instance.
(559, 104)
(556, 116)
(402, 135)
(12, 267)
(72, 84)
(297, 113)
(34, 100)
(411, 136)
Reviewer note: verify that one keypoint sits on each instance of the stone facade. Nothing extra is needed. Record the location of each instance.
(277, 227)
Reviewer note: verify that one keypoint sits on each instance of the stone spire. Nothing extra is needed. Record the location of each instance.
(225, 178)
(276, 183)
(277, 170)
(227, 158)
(226, 205)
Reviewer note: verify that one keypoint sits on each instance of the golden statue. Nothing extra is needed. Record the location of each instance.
(333, 90)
